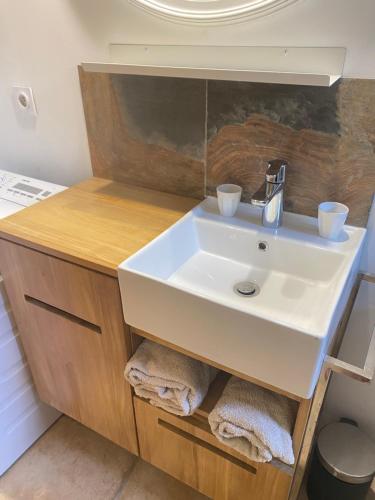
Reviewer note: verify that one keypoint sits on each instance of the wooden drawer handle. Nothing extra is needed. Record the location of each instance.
(63, 314)
(207, 446)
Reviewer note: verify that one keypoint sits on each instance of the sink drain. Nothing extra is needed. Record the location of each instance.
(246, 289)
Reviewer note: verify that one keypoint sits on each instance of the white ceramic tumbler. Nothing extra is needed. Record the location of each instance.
(331, 219)
(228, 198)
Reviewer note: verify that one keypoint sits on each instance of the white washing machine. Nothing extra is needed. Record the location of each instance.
(23, 417)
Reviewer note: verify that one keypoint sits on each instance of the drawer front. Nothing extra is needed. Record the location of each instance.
(66, 286)
(188, 452)
(71, 325)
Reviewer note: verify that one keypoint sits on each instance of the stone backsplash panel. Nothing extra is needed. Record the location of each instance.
(188, 136)
(149, 132)
(325, 134)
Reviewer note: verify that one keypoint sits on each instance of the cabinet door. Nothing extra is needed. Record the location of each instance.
(71, 325)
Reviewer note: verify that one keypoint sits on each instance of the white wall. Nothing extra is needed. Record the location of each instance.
(346, 397)
(368, 256)
(42, 41)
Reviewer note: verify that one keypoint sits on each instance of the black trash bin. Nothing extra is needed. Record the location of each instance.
(343, 464)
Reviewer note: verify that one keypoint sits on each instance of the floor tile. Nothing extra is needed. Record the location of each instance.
(71, 462)
(68, 462)
(148, 483)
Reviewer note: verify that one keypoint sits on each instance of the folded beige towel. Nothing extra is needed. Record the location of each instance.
(168, 379)
(254, 421)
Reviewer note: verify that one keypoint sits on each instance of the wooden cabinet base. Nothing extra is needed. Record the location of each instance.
(71, 325)
(186, 449)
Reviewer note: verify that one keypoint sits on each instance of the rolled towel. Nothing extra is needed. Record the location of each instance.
(254, 421)
(168, 379)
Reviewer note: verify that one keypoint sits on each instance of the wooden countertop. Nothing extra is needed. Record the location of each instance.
(97, 223)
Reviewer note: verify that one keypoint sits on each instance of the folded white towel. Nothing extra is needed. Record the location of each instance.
(254, 421)
(168, 379)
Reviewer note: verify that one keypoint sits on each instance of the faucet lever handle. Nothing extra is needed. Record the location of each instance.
(276, 171)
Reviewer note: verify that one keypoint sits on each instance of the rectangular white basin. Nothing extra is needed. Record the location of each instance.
(181, 288)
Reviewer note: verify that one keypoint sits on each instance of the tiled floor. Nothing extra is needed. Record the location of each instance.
(70, 462)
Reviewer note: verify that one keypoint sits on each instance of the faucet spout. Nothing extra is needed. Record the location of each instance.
(270, 195)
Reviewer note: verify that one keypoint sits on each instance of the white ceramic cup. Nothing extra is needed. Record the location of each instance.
(228, 198)
(331, 219)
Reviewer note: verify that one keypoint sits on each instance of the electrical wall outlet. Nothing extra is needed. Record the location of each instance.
(23, 100)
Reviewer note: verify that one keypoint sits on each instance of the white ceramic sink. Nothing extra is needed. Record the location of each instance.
(180, 288)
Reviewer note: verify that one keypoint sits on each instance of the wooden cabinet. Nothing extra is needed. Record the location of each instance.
(71, 324)
(77, 344)
(187, 450)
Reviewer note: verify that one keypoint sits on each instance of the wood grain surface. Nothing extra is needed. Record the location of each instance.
(186, 449)
(72, 328)
(97, 223)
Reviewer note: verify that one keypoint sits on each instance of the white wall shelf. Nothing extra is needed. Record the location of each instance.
(321, 66)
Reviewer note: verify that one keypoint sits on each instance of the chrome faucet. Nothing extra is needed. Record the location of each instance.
(270, 195)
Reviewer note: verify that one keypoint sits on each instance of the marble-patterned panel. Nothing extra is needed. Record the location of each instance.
(325, 134)
(147, 131)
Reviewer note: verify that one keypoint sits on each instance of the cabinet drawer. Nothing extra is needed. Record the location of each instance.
(61, 284)
(71, 326)
(185, 449)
